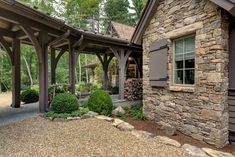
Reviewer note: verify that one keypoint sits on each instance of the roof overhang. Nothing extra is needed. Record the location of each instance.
(228, 5)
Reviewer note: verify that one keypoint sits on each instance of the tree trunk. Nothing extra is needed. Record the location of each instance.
(80, 68)
(29, 72)
(86, 69)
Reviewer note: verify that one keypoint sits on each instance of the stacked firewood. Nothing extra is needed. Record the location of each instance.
(133, 89)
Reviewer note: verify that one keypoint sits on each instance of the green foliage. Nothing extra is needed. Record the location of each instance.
(137, 113)
(77, 113)
(100, 102)
(35, 87)
(138, 6)
(117, 10)
(87, 87)
(29, 96)
(65, 103)
(80, 112)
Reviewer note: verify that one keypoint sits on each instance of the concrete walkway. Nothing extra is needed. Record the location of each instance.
(10, 115)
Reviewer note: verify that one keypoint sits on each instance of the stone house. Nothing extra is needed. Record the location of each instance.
(188, 60)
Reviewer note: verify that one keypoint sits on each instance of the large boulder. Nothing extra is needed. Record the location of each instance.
(168, 129)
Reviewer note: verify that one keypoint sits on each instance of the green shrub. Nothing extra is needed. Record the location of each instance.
(80, 112)
(35, 87)
(64, 103)
(137, 113)
(100, 102)
(29, 96)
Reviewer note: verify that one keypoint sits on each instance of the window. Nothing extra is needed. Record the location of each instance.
(184, 61)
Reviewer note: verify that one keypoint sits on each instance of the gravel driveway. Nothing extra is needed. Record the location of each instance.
(90, 137)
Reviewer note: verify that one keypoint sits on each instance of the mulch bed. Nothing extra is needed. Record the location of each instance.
(152, 127)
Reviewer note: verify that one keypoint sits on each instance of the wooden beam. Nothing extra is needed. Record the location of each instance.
(72, 69)
(43, 72)
(7, 33)
(16, 74)
(33, 39)
(79, 42)
(61, 44)
(60, 38)
(19, 19)
(6, 46)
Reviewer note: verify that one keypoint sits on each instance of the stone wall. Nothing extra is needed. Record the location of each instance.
(133, 89)
(200, 111)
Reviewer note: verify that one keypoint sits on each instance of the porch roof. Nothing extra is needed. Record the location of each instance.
(14, 15)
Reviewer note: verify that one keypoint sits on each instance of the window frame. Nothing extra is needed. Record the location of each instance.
(183, 69)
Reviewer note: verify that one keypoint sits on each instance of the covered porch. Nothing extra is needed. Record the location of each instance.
(20, 24)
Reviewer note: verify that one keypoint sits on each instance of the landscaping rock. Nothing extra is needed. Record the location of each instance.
(90, 114)
(215, 153)
(59, 119)
(169, 130)
(116, 122)
(118, 111)
(142, 134)
(195, 151)
(101, 117)
(125, 126)
(168, 141)
(73, 118)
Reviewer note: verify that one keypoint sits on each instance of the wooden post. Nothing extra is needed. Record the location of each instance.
(122, 57)
(53, 66)
(105, 61)
(72, 62)
(43, 72)
(16, 74)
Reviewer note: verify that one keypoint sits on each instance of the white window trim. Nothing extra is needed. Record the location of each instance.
(173, 65)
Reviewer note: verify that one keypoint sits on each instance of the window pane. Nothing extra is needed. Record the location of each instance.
(189, 63)
(189, 44)
(179, 46)
(179, 64)
(190, 55)
(179, 76)
(179, 57)
(189, 76)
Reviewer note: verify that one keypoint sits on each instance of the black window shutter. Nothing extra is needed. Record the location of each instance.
(158, 63)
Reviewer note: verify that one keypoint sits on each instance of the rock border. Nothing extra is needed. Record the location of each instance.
(144, 135)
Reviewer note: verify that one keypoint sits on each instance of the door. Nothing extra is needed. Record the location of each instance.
(231, 92)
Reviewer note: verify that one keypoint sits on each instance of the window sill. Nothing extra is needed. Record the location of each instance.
(188, 89)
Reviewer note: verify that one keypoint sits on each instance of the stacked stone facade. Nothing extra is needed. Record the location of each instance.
(200, 111)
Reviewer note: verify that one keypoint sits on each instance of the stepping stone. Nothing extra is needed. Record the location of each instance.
(195, 151)
(118, 111)
(101, 117)
(73, 118)
(90, 114)
(116, 122)
(215, 153)
(142, 134)
(59, 119)
(168, 141)
(125, 126)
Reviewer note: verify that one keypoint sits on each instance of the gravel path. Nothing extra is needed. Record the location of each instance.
(90, 137)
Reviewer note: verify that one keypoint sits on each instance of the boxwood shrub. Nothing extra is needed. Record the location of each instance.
(100, 102)
(65, 103)
(29, 96)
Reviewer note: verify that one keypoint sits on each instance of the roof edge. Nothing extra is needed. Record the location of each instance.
(146, 16)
